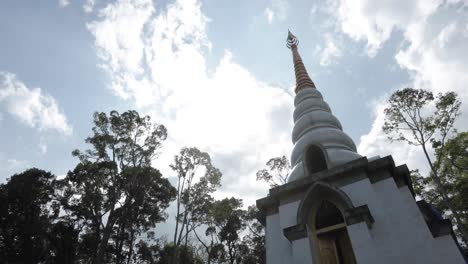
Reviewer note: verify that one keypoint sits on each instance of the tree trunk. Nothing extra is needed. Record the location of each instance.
(207, 249)
(103, 244)
(130, 250)
(209, 257)
(186, 236)
(445, 198)
(173, 259)
(105, 238)
(120, 258)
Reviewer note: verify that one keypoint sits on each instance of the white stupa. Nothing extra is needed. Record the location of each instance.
(340, 207)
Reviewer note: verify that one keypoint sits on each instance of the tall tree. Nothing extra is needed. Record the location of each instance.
(255, 238)
(202, 218)
(197, 179)
(209, 240)
(114, 190)
(231, 234)
(228, 222)
(454, 175)
(276, 172)
(410, 118)
(27, 210)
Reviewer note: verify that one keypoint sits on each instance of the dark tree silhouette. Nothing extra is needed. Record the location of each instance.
(28, 209)
(409, 118)
(193, 191)
(276, 173)
(114, 194)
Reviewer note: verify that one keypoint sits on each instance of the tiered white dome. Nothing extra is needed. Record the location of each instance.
(314, 123)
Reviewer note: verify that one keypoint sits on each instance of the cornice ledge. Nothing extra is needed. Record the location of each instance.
(358, 215)
(295, 232)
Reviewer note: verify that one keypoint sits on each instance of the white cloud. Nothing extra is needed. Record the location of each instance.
(88, 6)
(313, 10)
(277, 11)
(30, 105)
(158, 61)
(43, 147)
(269, 15)
(433, 51)
(64, 3)
(374, 21)
(330, 52)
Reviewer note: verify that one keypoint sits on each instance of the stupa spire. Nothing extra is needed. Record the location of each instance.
(302, 77)
(318, 138)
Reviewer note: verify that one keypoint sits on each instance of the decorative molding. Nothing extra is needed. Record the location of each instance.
(384, 168)
(295, 232)
(329, 176)
(358, 215)
(330, 228)
(267, 206)
(348, 173)
(322, 191)
(403, 178)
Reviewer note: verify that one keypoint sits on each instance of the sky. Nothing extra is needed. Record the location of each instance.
(217, 74)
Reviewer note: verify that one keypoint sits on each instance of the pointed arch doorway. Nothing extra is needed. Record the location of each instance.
(330, 237)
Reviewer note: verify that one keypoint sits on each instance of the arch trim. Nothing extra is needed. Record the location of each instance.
(318, 192)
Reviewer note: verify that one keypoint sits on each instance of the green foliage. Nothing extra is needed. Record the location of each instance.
(126, 139)
(232, 234)
(114, 194)
(30, 231)
(147, 254)
(198, 178)
(113, 197)
(63, 239)
(418, 118)
(276, 173)
(24, 218)
(226, 220)
(254, 240)
(453, 168)
(409, 117)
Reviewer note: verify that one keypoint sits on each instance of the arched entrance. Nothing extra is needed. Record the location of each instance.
(330, 237)
(322, 211)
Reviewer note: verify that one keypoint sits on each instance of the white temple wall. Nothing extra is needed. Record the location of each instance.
(362, 243)
(301, 251)
(399, 233)
(278, 247)
(288, 214)
(444, 249)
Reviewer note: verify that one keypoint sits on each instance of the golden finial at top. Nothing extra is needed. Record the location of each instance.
(292, 40)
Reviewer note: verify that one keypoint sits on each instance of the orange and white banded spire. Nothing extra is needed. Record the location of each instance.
(315, 127)
(302, 77)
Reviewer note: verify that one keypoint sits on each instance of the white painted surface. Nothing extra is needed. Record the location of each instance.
(399, 233)
(362, 243)
(288, 214)
(314, 123)
(301, 251)
(278, 247)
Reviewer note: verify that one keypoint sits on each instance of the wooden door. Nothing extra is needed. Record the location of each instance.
(327, 249)
(345, 248)
(335, 247)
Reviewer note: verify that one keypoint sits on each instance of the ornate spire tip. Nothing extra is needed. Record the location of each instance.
(292, 40)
